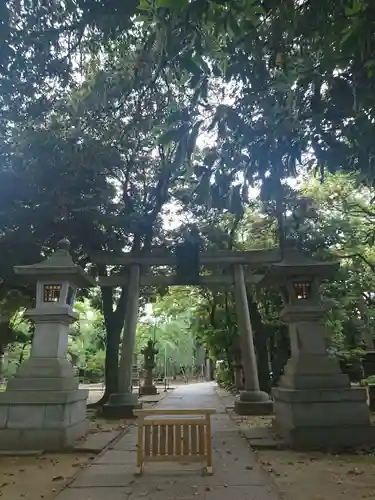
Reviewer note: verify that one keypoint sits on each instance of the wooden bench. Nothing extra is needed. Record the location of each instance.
(174, 436)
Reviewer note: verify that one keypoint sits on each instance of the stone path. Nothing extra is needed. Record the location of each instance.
(237, 475)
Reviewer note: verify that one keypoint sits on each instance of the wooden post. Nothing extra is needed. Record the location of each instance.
(140, 450)
(208, 434)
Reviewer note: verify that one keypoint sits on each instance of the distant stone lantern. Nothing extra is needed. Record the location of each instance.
(314, 403)
(42, 401)
(149, 352)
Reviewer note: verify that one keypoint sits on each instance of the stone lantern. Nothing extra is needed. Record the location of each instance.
(42, 407)
(314, 403)
(149, 352)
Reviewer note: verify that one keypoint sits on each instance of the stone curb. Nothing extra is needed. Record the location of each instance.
(96, 450)
(107, 447)
(72, 478)
(280, 493)
(276, 446)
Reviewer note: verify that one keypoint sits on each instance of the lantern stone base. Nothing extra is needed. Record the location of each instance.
(121, 405)
(323, 418)
(148, 390)
(44, 374)
(47, 420)
(253, 403)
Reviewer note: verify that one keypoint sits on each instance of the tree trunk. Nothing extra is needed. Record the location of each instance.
(114, 321)
(111, 361)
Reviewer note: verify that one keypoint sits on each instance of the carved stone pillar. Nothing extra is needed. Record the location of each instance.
(42, 407)
(314, 403)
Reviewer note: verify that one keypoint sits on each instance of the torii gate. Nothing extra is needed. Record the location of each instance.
(240, 272)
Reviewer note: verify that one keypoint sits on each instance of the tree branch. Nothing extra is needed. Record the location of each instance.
(361, 257)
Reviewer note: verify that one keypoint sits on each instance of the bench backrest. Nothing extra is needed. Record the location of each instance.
(171, 434)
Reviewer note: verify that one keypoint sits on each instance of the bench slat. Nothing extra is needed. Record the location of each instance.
(178, 429)
(163, 439)
(180, 459)
(201, 440)
(174, 411)
(155, 440)
(147, 446)
(194, 439)
(173, 421)
(186, 439)
(170, 440)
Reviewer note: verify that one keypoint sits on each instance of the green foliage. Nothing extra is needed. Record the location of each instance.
(170, 327)
(87, 343)
(223, 375)
(369, 380)
(102, 105)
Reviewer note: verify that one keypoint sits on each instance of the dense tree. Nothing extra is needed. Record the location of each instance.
(101, 104)
(98, 169)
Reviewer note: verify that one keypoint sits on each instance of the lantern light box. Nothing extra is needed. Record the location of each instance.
(302, 289)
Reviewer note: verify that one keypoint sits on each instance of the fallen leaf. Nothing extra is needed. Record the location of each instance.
(57, 478)
(355, 472)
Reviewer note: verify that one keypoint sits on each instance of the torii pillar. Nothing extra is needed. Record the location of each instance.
(252, 401)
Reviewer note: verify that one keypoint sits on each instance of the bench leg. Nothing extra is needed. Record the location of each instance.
(139, 469)
(208, 445)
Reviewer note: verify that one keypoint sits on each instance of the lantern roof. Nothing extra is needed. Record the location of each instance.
(297, 265)
(58, 267)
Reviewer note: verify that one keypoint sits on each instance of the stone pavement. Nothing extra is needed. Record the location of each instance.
(237, 475)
